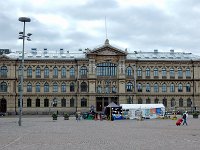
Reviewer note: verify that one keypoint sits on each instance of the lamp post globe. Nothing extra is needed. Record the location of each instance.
(24, 19)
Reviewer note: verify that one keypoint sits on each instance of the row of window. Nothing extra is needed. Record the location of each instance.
(54, 103)
(173, 102)
(103, 69)
(129, 72)
(129, 87)
(83, 87)
(107, 88)
(83, 71)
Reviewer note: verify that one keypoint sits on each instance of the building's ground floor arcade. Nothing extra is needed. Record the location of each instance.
(47, 104)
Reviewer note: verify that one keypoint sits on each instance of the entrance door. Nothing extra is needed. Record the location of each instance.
(99, 106)
(3, 106)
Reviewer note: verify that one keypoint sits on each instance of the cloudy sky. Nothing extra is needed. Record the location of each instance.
(73, 24)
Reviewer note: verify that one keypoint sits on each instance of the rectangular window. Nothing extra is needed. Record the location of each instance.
(37, 104)
(63, 103)
(46, 103)
(83, 103)
(72, 102)
(29, 101)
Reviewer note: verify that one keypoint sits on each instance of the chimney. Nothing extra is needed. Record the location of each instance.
(45, 50)
(155, 51)
(34, 51)
(61, 51)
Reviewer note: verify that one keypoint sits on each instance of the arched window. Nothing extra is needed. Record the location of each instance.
(55, 87)
(180, 73)
(129, 71)
(83, 71)
(171, 72)
(155, 72)
(129, 87)
(4, 71)
(83, 102)
(29, 87)
(106, 69)
(164, 72)
(114, 89)
(38, 72)
(55, 72)
(72, 72)
(148, 88)
(107, 86)
(29, 72)
(46, 87)
(83, 87)
(63, 87)
(3, 87)
(180, 87)
(19, 71)
(99, 89)
(187, 87)
(188, 74)
(37, 87)
(139, 72)
(147, 72)
(180, 102)
(63, 102)
(173, 102)
(172, 88)
(189, 102)
(63, 72)
(71, 87)
(139, 87)
(46, 72)
(156, 88)
(164, 87)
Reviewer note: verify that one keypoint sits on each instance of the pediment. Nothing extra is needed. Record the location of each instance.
(107, 49)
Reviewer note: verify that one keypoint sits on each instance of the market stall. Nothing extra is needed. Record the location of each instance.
(113, 110)
(148, 111)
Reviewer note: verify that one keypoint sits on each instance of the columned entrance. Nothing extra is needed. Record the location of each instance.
(102, 102)
(3, 105)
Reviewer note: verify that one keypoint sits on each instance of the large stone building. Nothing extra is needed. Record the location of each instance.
(70, 82)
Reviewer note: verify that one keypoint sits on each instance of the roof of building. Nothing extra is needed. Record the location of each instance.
(162, 56)
(137, 55)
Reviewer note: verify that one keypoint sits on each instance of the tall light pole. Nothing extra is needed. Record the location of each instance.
(22, 36)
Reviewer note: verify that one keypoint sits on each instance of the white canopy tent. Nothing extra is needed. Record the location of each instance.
(144, 110)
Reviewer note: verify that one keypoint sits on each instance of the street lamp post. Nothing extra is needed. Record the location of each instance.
(22, 36)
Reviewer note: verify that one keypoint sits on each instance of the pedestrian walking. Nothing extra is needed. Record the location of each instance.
(76, 116)
(185, 116)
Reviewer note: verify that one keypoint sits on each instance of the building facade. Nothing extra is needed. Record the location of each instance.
(70, 82)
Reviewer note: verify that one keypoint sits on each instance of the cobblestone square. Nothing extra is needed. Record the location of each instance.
(42, 133)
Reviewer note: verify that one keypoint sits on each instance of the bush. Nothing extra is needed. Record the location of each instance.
(54, 115)
(66, 116)
(195, 114)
